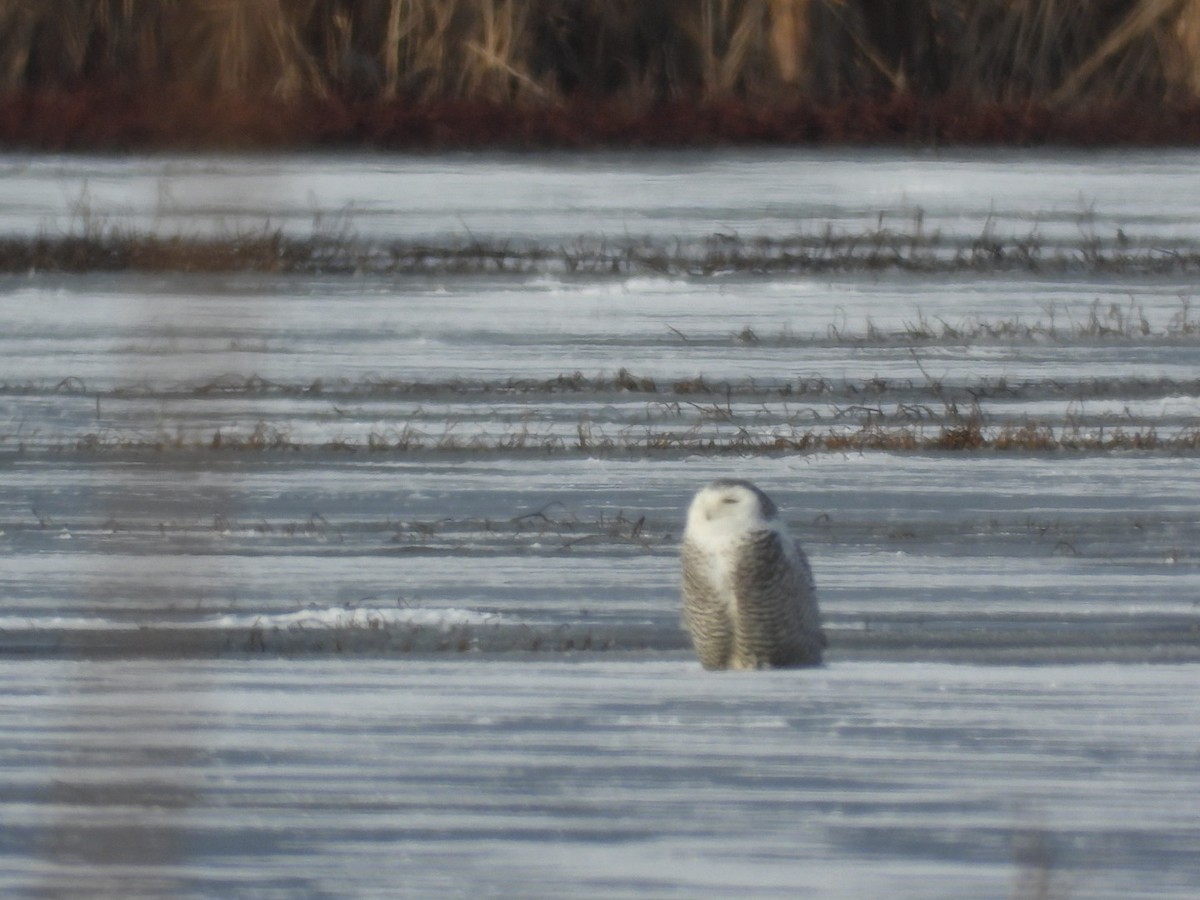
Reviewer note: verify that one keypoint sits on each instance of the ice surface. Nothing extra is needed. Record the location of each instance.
(366, 586)
(558, 197)
(597, 778)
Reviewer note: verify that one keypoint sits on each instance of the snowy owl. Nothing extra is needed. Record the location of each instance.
(748, 596)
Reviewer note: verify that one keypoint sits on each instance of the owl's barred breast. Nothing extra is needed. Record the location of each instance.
(706, 611)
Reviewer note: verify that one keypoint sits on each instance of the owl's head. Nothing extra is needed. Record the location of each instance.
(733, 503)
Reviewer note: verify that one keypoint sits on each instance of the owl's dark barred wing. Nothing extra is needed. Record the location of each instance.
(778, 622)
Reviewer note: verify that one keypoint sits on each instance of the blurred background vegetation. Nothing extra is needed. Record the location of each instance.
(619, 54)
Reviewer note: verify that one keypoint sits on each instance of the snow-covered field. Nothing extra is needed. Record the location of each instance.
(596, 777)
(365, 585)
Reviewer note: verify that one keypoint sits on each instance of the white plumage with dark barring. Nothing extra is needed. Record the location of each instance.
(748, 596)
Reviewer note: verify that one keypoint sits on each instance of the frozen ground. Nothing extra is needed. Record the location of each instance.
(597, 777)
(562, 197)
(366, 585)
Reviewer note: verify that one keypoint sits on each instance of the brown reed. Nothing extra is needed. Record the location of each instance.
(499, 49)
(608, 55)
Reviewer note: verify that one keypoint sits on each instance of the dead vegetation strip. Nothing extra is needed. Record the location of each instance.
(968, 433)
(111, 249)
(715, 391)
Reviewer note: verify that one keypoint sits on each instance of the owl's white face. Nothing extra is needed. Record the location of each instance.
(729, 505)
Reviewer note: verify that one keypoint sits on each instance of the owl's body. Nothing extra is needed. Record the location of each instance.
(748, 595)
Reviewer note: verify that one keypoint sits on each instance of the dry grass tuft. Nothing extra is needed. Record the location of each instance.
(97, 245)
(969, 436)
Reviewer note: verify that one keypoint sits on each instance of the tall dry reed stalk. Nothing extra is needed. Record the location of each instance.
(247, 46)
(788, 39)
(1164, 22)
(50, 37)
(458, 48)
(499, 53)
(1074, 52)
(728, 35)
(1182, 53)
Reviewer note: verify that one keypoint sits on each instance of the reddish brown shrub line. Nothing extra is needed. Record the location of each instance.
(148, 253)
(96, 119)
